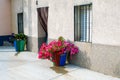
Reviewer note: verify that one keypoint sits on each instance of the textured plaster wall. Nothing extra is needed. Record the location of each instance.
(31, 24)
(106, 22)
(105, 26)
(30, 18)
(43, 3)
(103, 54)
(60, 21)
(28, 7)
(60, 18)
(5, 17)
(101, 58)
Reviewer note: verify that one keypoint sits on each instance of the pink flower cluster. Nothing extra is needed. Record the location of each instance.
(71, 48)
(44, 52)
(54, 47)
(57, 47)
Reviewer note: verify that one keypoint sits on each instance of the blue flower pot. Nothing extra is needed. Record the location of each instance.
(19, 45)
(63, 59)
(16, 45)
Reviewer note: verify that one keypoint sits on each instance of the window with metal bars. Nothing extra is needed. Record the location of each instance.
(82, 23)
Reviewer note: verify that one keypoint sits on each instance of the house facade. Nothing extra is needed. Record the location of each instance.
(93, 25)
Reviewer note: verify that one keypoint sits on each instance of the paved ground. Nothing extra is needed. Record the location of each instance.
(26, 66)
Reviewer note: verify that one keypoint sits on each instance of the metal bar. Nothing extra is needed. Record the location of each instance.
(82, 20)
(80, 25)
(74, 24)
(77, 23)
(85, 23)
(89, 23)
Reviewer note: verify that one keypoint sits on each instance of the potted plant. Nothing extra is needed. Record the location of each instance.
(57, 51)
(20, 41)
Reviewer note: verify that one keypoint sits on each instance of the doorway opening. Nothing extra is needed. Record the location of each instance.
(42, 25)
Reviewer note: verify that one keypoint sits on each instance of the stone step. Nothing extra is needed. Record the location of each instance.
(7, 49)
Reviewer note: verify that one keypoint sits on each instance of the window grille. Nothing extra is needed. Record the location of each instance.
(82, 23)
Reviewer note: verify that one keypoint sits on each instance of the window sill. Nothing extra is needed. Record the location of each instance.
(82, 42)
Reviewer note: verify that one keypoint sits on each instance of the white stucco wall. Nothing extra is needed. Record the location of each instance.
(60, 20)
(106, 19)
(106, 22)
(43, 3)
(105, 26)
(34, 21)
(5, 17)
(28, 7)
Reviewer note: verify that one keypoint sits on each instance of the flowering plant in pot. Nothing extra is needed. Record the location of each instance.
(57, 51)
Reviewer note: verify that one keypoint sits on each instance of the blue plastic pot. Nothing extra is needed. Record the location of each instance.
(63, 59)
(16, 45)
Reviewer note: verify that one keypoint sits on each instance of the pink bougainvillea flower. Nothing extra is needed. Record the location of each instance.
(40, 55)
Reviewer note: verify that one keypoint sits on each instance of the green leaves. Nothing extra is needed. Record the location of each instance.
(61, 38)
(20, 36)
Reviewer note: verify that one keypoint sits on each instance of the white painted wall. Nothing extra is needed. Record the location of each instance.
(28, 7)
(106, 22)
(5, 17)
(43, 3)
(105, 26)
(34, 21)
(61, 19)
(106, 19)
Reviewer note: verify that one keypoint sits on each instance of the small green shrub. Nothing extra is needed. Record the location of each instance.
(20, 36)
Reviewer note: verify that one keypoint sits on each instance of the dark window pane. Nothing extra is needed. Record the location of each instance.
(20, 23)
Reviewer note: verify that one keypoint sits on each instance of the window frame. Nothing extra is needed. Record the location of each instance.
(18, 22)
(90, 32)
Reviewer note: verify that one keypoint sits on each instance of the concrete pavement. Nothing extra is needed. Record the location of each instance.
(26, 66)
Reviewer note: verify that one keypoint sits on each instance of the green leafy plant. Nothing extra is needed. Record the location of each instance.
(20, 36)
(20, 40)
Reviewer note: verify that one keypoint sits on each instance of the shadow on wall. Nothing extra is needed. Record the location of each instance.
(81, 59)
(117, 70)
(29, 45)
(34, 44)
